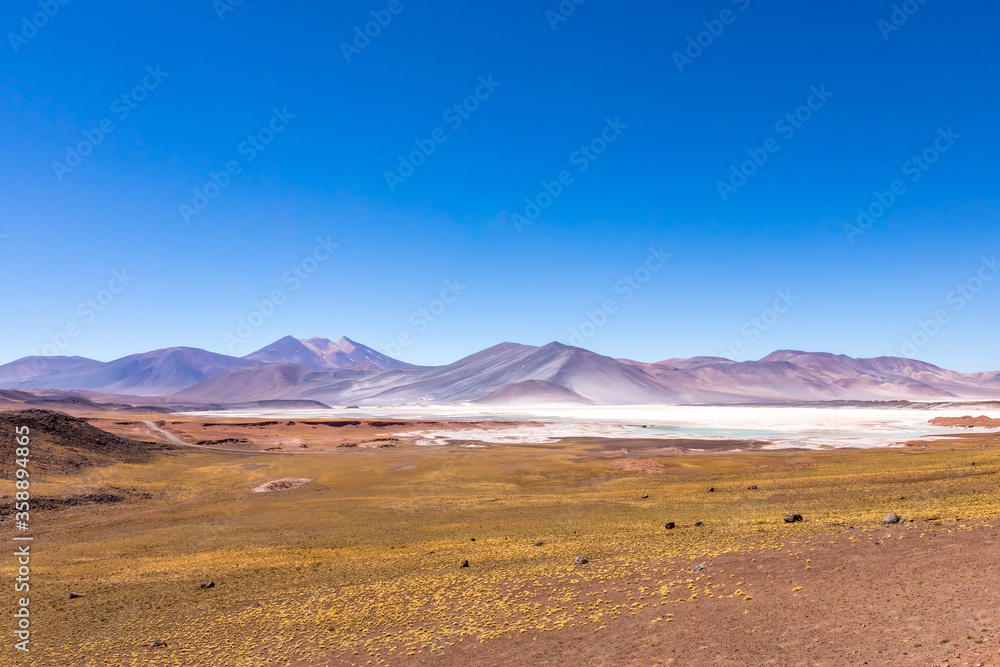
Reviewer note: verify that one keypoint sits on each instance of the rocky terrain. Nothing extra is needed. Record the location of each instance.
(61, 443)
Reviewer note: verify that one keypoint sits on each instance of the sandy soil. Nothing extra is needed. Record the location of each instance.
(967, 421)
(917, 594)
(652, 467)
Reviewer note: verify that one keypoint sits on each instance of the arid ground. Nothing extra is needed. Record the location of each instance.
(353, 556)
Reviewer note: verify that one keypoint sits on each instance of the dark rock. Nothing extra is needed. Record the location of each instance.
(580, 560)
(646, 495)
(753, 487)
(701, 568)
(465, 563)
(892, 517)
(792, 518)
(158, 643)
(699, 523)
(207, 584)
(670, 525)
(538, 543)
(711, 490)
(73, 595)
(473, 539)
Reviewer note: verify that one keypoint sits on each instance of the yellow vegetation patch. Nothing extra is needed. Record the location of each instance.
(363, 562)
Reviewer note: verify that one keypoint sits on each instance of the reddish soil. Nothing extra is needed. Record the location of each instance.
(982, 421)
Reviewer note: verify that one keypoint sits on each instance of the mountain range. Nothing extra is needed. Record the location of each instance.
(344, 372)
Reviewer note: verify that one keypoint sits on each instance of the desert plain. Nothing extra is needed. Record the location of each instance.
(218, 540)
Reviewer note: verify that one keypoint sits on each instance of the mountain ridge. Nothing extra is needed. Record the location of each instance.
(345, 372)
(322, 354)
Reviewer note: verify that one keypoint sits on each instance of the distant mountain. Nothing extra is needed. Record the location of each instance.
(147, 374)
(344, 372)
(532, 392)
(40, 368)
(324, 354)
(273, 381)
(796, 375)
(591, 377)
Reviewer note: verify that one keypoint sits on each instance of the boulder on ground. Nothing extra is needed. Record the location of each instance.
(701, 568)
(670, 525)
(580, 560)
(206, 584)
(792, 518)
(891, 517)
(465, 563)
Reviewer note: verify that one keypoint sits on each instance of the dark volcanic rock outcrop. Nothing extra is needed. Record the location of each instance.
(60, 443)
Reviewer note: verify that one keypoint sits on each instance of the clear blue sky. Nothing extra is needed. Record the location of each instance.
(323, 175)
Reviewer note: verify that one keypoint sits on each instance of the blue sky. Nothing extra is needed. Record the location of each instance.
(201, 91)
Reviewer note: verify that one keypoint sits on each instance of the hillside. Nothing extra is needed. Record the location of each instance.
(60, 443)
